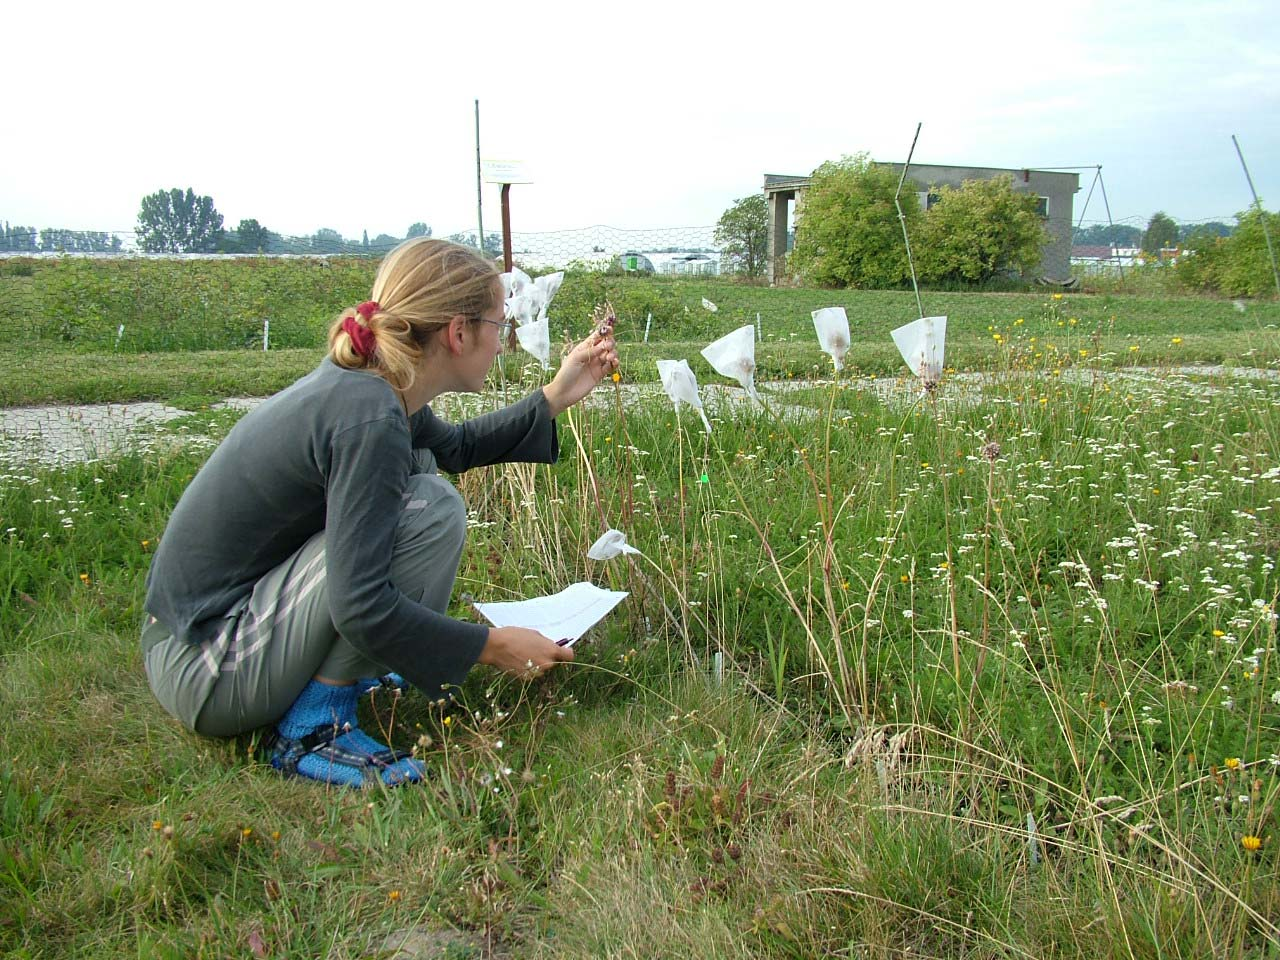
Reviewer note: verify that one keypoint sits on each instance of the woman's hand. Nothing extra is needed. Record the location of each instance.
(585, 365)
(522, 652)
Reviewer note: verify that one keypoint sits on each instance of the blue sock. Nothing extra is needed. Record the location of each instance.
(324, 705)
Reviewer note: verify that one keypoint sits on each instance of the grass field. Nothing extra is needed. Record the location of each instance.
(990, 674)
(92, 331)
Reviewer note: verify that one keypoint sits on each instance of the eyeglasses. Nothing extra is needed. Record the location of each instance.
(504, 326)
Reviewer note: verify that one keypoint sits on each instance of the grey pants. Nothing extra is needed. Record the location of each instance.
(282, 635)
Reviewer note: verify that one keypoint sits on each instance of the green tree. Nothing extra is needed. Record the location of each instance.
(19, 238)
(980, 230)
(418, 229)
(743, 236)
(492, 242)
(1107, 234)
(1162, 231)
(847, 231)
(1213, 228)
(171, 221)
(252, 237)
(383, 242)
(326, 240)
(1237, 265)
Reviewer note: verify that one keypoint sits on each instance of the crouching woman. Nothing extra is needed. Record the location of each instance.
(318, 545)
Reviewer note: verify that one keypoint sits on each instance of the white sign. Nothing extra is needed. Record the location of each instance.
(504, 171)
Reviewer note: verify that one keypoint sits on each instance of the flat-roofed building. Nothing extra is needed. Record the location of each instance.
(1054, 189)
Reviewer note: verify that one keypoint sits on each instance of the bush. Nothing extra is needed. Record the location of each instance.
(1236, 266)
(847, 231)
(980, 231)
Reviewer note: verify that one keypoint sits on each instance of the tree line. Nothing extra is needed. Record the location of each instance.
(17, 238)
(181, 221)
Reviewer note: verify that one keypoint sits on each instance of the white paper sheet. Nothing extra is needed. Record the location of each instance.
(566, 615)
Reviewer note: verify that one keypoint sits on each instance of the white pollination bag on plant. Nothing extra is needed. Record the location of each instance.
(734, 356)
(612, 544)
(681, 386)
(922, 344)
(833, 332)
(535, 337)
(546, 288)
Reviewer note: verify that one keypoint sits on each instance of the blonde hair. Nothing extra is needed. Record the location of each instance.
(421, 285)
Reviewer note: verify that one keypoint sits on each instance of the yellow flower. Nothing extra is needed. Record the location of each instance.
(1057, 296)
(844, 584)
(1250, 842)
(448, 721)
(904, 578)
(1219, 633)
(246, 832)
(146, 544)
(157, 824)
(84, 578)
(1233, 763)
(944, 565)
(1176, 340)
(617, 377)
(1134, 348)
(393, 896)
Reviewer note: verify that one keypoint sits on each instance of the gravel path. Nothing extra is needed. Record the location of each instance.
(61, 435)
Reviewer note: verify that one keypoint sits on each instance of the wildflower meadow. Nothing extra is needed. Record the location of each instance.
(985, 670)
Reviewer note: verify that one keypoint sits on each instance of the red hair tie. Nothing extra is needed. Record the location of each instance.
(362, 339)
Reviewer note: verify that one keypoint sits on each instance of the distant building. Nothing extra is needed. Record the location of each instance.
(692, 264)
(634, 262)
(1101, 258)
(1055, 191)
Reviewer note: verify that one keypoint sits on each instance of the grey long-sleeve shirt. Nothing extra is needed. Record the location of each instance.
(332, 452)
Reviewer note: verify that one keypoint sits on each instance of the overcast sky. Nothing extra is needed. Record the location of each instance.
(360, 116)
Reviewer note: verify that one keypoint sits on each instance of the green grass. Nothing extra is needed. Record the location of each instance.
(925, 640)
(47, 362)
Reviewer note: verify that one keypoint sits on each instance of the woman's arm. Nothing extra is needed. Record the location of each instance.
(525, 431)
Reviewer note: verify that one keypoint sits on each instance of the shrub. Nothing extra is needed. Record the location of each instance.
(847, 231)
(979, 231)
(1238, 265)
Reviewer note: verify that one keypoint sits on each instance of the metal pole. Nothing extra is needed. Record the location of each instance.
(479, 188)
(902, 219)
(1262, 214)
(506, 227)
(1107, 206)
